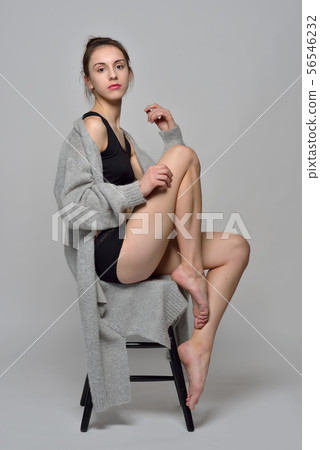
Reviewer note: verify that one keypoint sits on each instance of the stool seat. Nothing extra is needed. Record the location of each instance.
(177, 377)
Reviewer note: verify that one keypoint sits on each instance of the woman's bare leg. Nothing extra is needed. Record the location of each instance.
(191, 265)
(226, 260)
(141, 253)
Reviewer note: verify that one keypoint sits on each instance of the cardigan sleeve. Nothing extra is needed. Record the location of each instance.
(171, 137)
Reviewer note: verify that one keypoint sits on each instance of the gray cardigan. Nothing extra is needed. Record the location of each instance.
(109, 311)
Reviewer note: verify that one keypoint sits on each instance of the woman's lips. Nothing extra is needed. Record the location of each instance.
(115, 86)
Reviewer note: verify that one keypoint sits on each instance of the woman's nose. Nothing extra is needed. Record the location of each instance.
(112, 74)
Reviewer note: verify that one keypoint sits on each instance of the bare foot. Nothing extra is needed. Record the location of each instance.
(196, 363)
(189, 279)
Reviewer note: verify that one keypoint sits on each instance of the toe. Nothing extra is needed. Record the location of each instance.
(199, 323)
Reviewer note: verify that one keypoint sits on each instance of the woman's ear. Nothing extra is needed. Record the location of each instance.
(88, 82)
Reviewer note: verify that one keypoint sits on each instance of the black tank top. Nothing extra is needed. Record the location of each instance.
(116, 164)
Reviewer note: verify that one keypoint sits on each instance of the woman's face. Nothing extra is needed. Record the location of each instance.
(107, 66)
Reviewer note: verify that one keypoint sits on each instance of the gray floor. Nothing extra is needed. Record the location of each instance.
(245, 405)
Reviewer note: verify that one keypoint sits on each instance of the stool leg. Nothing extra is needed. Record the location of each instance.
(176, 368)
(86, 399)
(84, 391)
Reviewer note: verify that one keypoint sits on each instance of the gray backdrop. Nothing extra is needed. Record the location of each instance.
(229, 73)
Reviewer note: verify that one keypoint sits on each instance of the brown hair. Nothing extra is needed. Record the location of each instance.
(92, 44)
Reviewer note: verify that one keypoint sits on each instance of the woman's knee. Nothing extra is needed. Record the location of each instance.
(240, 249)
(186, 154)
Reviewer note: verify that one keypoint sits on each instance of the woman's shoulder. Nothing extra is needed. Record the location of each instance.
(97, 131)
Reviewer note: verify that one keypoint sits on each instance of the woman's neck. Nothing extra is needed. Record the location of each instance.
(110, 111)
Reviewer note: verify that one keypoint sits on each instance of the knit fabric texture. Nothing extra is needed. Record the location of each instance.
(110, 312)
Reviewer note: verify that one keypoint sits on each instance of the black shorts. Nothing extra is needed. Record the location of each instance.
(107, 246)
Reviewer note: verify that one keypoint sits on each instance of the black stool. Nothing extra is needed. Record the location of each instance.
(178, 378)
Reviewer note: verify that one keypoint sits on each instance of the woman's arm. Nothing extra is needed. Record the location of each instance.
(76, 189)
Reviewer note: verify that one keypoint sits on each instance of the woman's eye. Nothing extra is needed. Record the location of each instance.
(120, 65)
(100, 69)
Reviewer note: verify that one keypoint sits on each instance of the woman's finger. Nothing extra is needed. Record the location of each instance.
(164, 168)
(156, 111)
(155, 114)
(152, 106)
(163, 178)
(151, 116)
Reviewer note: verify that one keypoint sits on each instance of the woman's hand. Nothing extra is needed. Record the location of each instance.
(161, 116)
(154, 176)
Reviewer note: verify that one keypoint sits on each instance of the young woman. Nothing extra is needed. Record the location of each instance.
(171, 186)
